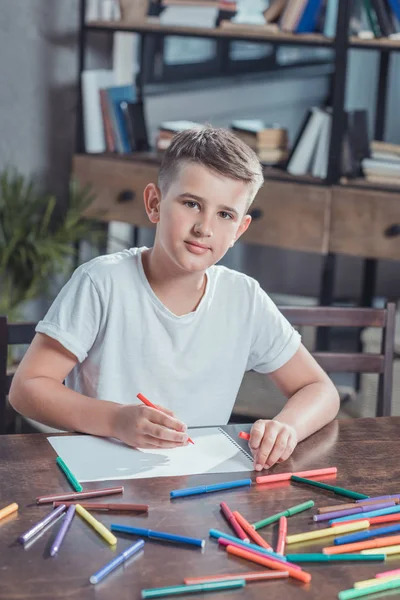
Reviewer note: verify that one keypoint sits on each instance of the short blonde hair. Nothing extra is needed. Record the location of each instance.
(217, 149)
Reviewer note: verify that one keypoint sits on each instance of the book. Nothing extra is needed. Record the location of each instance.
(213, 451)
(331, 15)
(274, 11)
(136, 125)
(309, 17)
(379, 146)
(395, 6)
(116, 95)
(372, 18)
(189, 15)
(256, 133)
(321, 157)
(272, 156)
(301, 158)
(384, 16)
(93, 129)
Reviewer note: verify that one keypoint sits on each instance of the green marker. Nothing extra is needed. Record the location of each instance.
(71, 478)
(319, 557)
(190, 589)
(332, 488)
(285, 513)
(372, 589)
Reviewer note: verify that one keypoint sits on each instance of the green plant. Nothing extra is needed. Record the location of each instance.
(37, 240)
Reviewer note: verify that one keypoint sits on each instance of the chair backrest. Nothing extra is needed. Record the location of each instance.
(10, 334)
(382, 363)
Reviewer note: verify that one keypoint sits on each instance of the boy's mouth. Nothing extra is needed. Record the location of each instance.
(196, 247)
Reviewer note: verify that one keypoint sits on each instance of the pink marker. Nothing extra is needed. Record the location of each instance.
(230, 517)
(280, 546)
(388, 573)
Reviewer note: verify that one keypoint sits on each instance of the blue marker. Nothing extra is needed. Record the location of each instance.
(118, 560)
(365, 535)
(368, 515)
(159, 535)
(219, 534)
(205, 489)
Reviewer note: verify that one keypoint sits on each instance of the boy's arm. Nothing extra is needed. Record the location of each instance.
(313, 402)
(37, 391)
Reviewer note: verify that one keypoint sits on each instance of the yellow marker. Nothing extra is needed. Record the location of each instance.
(7, 510)
(99, 527)
(368, 582)
(329, 531)
(383, 550)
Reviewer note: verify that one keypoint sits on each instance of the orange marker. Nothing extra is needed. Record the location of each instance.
(285, 476)
(249, 529)
(252, 576)
(280, 546)
(357, 546)
(151, 405)
(266, 562)
(374, 520)
(8, 510)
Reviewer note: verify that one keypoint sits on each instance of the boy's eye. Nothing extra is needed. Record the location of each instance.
(225, 215)
(191, 204)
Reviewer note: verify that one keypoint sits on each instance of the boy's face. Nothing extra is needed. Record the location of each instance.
(199, 218)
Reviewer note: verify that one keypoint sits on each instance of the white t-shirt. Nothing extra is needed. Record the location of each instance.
(127, 341)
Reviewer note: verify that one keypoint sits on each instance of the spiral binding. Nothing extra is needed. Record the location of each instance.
(238, 446)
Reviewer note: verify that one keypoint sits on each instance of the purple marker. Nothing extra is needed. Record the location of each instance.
(352, 511)
(390, 497)
(25, 537)
(63, 530)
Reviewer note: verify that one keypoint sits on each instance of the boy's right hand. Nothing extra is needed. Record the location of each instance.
(144, 427)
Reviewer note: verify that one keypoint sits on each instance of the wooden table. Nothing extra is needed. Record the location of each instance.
(365, 451)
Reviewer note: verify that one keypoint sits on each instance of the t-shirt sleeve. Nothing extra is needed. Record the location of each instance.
(75, 315)
(274, 341)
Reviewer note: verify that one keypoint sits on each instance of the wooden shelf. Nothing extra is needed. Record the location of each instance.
(152, 25)
(374, 44)
(361, 183)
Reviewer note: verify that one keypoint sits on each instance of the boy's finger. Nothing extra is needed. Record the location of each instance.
(256, 435)
(161, 418)
(268, 442)
(290, 446)
(165, 410)
(278, 449)
(151, 442)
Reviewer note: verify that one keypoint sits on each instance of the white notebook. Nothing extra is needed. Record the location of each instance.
(99, 459)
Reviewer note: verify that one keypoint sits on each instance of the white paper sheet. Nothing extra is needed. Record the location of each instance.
(98, 459)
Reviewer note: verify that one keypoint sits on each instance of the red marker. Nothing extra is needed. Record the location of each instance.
(230, 517)
(244, 435)
(151, 405)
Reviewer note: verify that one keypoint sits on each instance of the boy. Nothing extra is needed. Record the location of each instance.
(166, 322)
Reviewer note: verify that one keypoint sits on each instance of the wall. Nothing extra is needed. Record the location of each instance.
(38, 66)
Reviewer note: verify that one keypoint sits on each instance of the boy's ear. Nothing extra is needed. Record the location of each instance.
(152, 199)
(244, 225)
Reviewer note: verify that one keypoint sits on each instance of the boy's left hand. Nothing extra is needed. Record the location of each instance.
(271, 442)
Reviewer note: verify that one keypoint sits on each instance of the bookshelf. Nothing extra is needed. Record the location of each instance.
(315, 207)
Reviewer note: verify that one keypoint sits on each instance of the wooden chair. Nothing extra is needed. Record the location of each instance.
(10, 334)
(344, 362)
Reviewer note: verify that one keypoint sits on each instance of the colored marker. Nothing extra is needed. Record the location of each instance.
(252, 576)
(266, 562)
(374, 520)
(319, 533)
(367, 582)
(380, 587)
(159, 535)
(118, 560)
(390, 497)
(251, 532)
(282, 533)
(52, 516)
(215, 533)
(205, 489)
(365, 535)
(337, 514)
(62, 531)
(287, 476)
(151, 405)
(384, 549)
(284, 513)
(8, 510)
(97, 526)
(369, 502)
(281, 560)
(108, 507)
(78, 495)
(332, 488)
(364, 545)
(319, 557)
(69, 475)
(230, 517)
(244, 435)
(366, 515)
(175, 590)
(388, 573)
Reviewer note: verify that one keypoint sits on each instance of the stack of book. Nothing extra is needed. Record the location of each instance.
(383, 17)
(270, 142)
(383, 165)
(310, 151)
(168, 129)
(191, 13)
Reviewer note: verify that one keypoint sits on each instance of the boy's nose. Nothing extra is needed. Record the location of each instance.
(202, 229)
